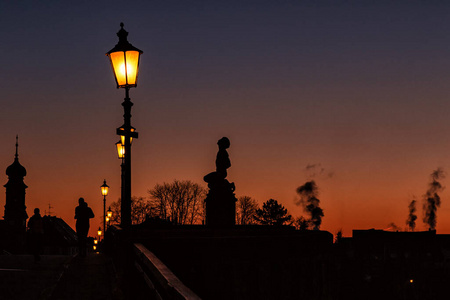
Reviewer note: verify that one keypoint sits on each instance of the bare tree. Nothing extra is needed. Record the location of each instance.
(246, 210)
(141, 209)
(180, 201)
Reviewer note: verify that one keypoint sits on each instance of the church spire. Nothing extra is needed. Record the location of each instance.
(17, 148)
(15, 209)
(16, 169)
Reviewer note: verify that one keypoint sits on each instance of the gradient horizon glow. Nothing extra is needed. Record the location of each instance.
(352, 95)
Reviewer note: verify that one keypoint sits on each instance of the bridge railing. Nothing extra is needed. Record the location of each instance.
(159, 278)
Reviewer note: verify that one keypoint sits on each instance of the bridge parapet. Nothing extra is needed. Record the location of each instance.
(159, 278)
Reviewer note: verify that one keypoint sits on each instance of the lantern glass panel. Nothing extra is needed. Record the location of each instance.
(125, 66)
(132, 64)
(104, 191)
(118, 64)
(120, 150)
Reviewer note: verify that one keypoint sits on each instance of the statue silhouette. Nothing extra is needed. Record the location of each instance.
(220, 202)
(222, 164)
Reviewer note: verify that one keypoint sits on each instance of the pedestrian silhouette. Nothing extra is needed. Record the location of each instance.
(82, 214)
(36, 230)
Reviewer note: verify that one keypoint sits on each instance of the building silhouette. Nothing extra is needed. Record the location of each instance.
(15, 209)
(13, 228)
(59, 238)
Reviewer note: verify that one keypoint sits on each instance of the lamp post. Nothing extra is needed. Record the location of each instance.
(121, 156)
(104, 187)
(124, 59)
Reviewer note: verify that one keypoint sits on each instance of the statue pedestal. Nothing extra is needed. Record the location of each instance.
(221, 205)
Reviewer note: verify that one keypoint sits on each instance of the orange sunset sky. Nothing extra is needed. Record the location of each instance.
(360, 90)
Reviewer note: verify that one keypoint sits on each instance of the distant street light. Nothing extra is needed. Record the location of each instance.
(104, 187)
(109, 215)
(99, 232)
(124, 59)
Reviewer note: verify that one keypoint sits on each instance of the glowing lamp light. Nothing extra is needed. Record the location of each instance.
(109, 213)
(120, 150)
(94, 247)
(107, 219)
(124, 59)
(104, 187)
(411, 281)
(95, 241)
(99, 232)
(121, 132)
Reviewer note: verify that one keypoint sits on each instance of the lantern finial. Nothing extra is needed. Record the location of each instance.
(122, 34)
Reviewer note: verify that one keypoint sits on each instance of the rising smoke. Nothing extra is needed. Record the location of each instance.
(432, 201)
(393, 227)
(308, 199)
(412, 217)
(316, 170)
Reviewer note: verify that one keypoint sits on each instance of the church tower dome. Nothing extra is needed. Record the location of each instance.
(16, 170)
(15, 209)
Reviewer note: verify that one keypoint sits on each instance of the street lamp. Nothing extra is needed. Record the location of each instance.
(124, 59)
(109, 215)
(99, 232)
(104, 187)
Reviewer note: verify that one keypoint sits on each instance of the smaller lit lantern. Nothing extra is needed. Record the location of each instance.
(99, 231)
(107, 219)
(120, 150)
(95, 241)
(124, 59)
(109, 213)
(121, 132)
(104, 187)
(94, 247)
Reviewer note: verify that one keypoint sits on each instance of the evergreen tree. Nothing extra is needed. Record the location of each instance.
(273, 213)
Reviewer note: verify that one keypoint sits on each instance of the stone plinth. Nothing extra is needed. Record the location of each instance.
(221, 205)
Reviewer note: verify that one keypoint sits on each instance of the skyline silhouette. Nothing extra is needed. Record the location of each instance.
(354, 97)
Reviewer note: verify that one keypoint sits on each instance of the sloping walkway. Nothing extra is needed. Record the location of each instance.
(88, 278)
(22, 278)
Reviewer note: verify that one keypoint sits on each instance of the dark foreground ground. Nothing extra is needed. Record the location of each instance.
(58, 277)
(21, 278)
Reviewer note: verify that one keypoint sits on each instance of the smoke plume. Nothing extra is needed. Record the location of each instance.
(432, 201)
(393, 227)
(308, 199)
(316, 170)
(411, 221)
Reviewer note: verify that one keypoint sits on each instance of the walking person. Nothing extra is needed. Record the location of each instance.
(36, 230)
(82, 214)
